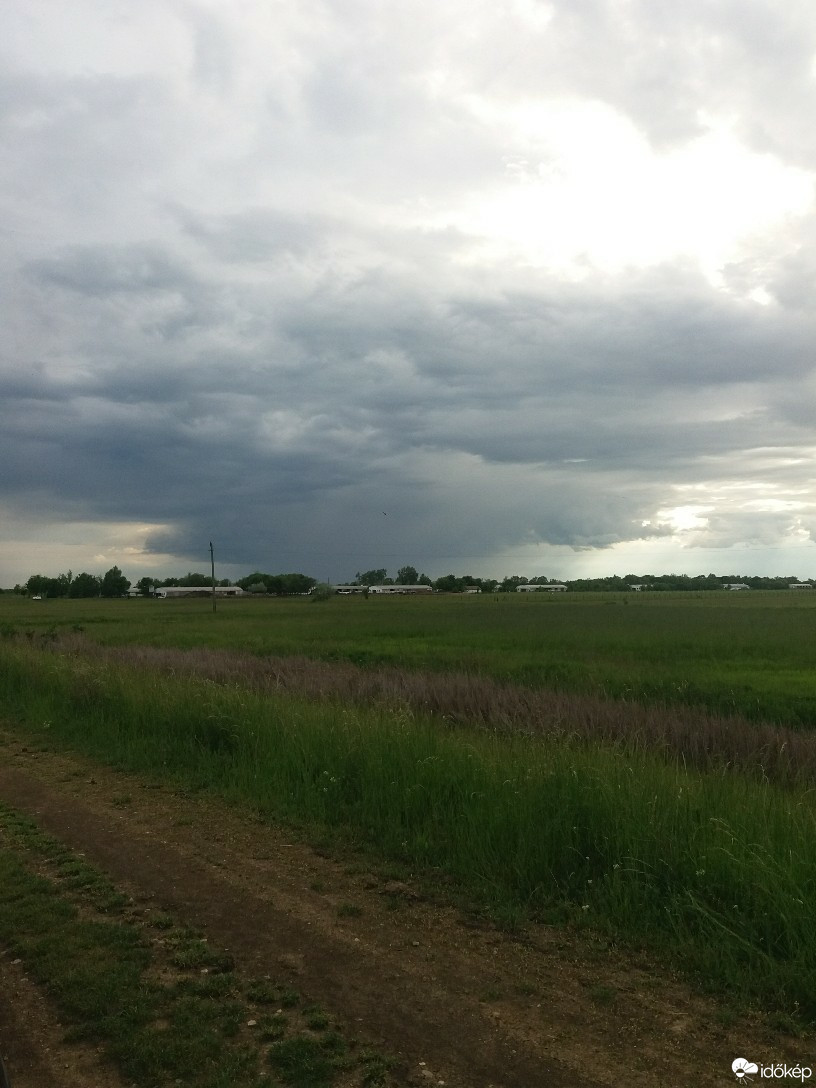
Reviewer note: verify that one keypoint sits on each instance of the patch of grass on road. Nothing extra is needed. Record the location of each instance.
(167, 1007)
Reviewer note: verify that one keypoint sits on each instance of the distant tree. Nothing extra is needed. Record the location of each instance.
(41, 585)
(252, 579)
(145, 585)
(511, 583)
(297, 583)
(407, 576)
(85, 585)
(372, 577)
(321, 592)
(36, 585)
(279, 584)
(114, 583)
(195, 579)
(448, 583)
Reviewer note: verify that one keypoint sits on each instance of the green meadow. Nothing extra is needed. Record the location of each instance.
(710, 868)
(748, 653)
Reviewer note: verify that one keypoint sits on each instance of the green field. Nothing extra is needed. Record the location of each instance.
(712, 867)
(747, 653)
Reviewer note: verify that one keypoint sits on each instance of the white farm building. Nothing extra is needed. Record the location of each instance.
(382, 589)
(535, 588)
(400, 589)
(169, 592)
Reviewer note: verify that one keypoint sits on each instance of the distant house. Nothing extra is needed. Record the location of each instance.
(734, 586)
(801, 585)
(639, 587)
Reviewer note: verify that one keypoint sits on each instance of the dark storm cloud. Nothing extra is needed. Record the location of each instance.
(359, 393)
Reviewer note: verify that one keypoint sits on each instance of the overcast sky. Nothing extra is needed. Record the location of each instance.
(491, 288)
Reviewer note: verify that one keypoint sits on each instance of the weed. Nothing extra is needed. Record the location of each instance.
(375, 1068)
(315, 1018)
(602, 995)
(264, 992)
(301, 1062)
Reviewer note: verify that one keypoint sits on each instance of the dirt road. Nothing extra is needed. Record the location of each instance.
(454, 1000)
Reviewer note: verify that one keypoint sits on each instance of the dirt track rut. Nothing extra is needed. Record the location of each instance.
(454, 1001)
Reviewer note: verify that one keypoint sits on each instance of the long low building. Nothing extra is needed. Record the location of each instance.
(400, 589)
(347, 590)
(197, 591)
(535, 588)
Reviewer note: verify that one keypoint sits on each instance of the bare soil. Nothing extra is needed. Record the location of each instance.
(451, 998)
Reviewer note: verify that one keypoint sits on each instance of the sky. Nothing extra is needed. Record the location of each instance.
(518, 287)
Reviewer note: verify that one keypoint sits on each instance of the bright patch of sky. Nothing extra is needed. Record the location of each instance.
(585, 190)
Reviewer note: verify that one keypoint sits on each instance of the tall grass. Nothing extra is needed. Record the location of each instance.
(699, 738)
(714, 869)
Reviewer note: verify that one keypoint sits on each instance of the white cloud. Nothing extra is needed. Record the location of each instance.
(584, 189)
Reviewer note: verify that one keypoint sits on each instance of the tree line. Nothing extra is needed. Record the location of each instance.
(110, 584)
(452, 583)
(114, 584)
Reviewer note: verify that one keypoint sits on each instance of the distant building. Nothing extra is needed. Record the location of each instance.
(169, 592)
(801, 585)
(534, 588)
(400, 589)
(734, 586)
(639, 587)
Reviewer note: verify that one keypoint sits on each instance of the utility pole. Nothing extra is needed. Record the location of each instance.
(212, 568)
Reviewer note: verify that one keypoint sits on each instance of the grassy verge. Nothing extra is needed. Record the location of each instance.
(714, 871)
(168, 1008)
